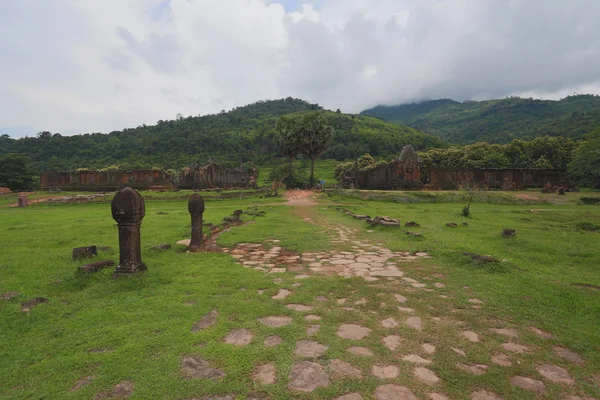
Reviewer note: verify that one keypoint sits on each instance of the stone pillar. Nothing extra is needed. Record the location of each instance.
(22, 200)
(128, 210)
(196, 209)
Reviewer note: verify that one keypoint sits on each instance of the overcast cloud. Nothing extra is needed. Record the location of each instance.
(94, 66)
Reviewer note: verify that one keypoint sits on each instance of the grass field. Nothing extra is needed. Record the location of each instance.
(138, 329)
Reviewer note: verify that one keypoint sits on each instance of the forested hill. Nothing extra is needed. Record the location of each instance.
(244, 134)
(497, 121)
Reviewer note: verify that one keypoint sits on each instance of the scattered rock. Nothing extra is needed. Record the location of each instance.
(502, 360)
(451, 225)
(400, 298)
(414, 234)
(299, 307)
(459, 351)
(123, 389)
(265, 374)
(162, 246)
(475, 301)
(350, 396)
(239, 337)
(530, 384)
(195, 367)
(426, 376)
(568, 355)
(27, 305)
(309, 348)
(476, 369)
(302, 276)
(415, 359)
(465, 224)
(414, 323)
(392, 342)
(321, 299)
(389, 323)
(184, 242)
(385, 372)
(480, 258)
(428, 348)
(312, 317)
(412, 224)
(352, 331)
(484, 395)
(282, 294)
(555, 374)
(206, 321)
(470, 335)
(406, 309)
(509, 232)
(96, 266)
(541, 333)
(307, 376)
(439, 285)
(506, 332)
(517, 348)
(393, 392)
(312, 330)
(84, 252)
(360, 351)
(340, 370)
(275, 321)
(437, 396)
(82, 382)
(272, 341)
(9, 295)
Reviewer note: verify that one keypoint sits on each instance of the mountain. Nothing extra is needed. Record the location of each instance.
(244, 134)
(497, 121)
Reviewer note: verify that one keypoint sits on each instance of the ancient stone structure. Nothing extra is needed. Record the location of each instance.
(128, 210)
(405, 173)
(211, 176)
(196, 209)
(22, 200)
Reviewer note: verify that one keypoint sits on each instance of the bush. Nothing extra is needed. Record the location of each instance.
(466, 211)
(300, 177)
(588, 226)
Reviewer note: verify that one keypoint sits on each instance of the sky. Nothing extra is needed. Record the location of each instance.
(75, 66)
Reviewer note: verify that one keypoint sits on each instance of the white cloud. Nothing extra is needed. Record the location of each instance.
(85, 65)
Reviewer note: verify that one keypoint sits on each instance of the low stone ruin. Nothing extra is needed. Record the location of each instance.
(84, 252)
(383, 221)
(481, 258)
(509, 232)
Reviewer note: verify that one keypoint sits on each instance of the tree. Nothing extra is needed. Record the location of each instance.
(15, 172)
(287, 140)
(315, 136)
(584, 169)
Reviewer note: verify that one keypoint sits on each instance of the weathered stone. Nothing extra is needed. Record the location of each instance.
(84, 252)
(481, 258)
(509, 232)
(392, 342)
(437, 396)
(406, 309)
(415, 359)
(426, 376)
(389, 323)
(428, 348)
(195, 367)
(82, 382)
(411, 224)
(414, 323)
(162, 246)
(309, 348)
(128, 210)
(350, 396)
(502, 360)
(541, 333)
(96, 266)
(393, 392)
(476, 369)
(530, 384)
(275, 321)
(517, 348)
(321, 299)
(9, 295)
(439, 285)
(123, 389)
(400, 298)
(360, 351)
(312, 330)
(475, 301)
(239, 337)
(312, 317)
(29, 304)
(196, 210)
(307, 376)
(299, 307)
(459, 351)
(206, 321)
(387, 273)
(282, 294)
(484, 395)
(265, 374)
(340, 370)
(385, 371)
(414, 234)
(451, 225)
(568, 355)
(506, 332)
(352, 331)
(272, 341)
(470, 335)
(555, 374)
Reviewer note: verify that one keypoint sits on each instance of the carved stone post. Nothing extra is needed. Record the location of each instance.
(128, 210)
(196, 209)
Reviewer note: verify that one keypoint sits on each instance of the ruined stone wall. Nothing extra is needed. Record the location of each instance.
(103, 181)
(213, 176)
(491, 178)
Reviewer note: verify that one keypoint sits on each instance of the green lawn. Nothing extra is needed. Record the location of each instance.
(144, 322)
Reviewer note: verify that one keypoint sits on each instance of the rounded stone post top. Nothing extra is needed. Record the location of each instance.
(196, 204)
(128, 204)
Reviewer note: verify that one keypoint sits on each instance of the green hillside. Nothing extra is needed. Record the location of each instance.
(244, 134)
(497, 121)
